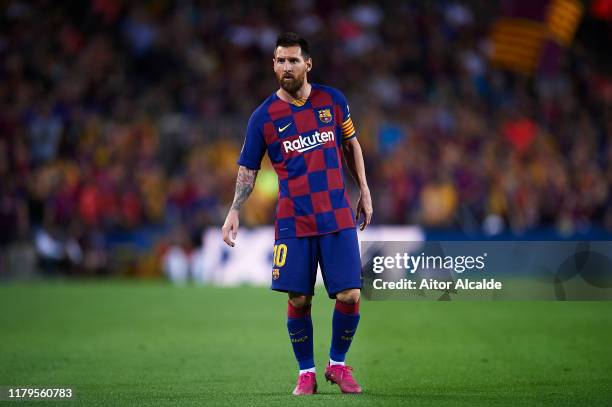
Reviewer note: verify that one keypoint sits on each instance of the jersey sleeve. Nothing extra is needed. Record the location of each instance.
(254, 146)
(348, 129)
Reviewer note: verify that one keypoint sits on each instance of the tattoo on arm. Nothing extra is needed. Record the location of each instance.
(244, 186)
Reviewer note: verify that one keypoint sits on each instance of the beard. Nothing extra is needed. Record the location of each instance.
(291, 84)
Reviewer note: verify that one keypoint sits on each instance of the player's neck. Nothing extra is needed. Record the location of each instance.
(299, 96)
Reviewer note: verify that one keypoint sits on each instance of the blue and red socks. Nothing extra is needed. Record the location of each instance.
(299, 325)
(344, 325)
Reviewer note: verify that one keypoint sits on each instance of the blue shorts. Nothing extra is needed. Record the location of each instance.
(294, 263)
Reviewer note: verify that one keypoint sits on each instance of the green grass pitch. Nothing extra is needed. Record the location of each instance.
(131, 343)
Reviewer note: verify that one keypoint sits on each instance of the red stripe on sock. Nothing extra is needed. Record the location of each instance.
(345, 308)
(295, 312)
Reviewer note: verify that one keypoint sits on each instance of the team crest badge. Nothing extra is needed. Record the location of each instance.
(325, 115)
(275, 274)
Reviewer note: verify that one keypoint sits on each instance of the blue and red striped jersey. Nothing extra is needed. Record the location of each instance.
(304, 145)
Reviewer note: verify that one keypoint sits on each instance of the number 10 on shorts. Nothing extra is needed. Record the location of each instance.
(280, 255)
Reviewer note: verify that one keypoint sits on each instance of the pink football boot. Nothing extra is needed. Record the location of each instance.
(342, 376)
(307, 384)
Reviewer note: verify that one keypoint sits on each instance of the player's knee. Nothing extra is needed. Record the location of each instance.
(299, 300)
(349, 296)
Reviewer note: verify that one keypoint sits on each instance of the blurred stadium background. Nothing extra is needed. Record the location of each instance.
(120, 122)
(120, 125)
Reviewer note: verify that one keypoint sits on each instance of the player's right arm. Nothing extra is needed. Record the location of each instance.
(252, 152)
(244, 186)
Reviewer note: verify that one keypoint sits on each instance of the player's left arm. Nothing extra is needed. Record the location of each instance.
(354, 160)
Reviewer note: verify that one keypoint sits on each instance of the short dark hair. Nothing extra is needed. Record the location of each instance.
(290, 39)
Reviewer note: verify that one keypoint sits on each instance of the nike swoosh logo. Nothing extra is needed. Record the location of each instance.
(346, 331)
(281, 129)
(295, 333)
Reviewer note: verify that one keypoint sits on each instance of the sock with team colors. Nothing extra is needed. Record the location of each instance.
(299, 325)
(344, 325)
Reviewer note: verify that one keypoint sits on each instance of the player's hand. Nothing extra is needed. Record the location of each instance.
(364, 208)
(230, 227)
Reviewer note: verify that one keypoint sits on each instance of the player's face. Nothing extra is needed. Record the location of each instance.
(290, 68)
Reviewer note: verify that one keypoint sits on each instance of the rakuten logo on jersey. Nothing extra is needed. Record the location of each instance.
(305, 143)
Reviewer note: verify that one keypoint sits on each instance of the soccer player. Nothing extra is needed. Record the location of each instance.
(306, 130)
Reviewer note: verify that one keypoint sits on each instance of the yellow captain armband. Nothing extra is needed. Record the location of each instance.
(348, 129)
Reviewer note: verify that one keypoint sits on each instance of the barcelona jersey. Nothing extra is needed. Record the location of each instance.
(304, 145)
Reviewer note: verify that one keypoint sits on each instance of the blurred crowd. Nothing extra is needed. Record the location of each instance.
(120, 122)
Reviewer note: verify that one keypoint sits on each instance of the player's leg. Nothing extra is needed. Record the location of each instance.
(344, 324)
(299, 325)
(342, 276)
(292, 272)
